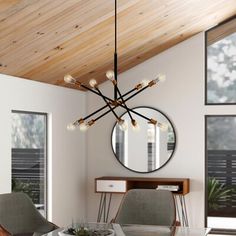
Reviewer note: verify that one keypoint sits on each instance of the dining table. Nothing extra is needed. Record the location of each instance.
(132, 230)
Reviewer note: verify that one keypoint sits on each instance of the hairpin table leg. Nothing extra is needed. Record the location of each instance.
(104, 208)
(181, 210)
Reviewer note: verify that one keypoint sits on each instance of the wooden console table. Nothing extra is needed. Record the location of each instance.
(109, 185)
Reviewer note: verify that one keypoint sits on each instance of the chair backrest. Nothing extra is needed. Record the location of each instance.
(147, 207)
(18, 214)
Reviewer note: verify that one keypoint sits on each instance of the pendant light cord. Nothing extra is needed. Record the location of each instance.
(116, 26)
(115, 53)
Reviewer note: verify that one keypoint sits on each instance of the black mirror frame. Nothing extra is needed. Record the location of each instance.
(141, 172)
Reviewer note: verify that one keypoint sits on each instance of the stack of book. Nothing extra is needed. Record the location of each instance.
(173, 188)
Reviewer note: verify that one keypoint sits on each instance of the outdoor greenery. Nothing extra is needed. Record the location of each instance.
(217, 192)
(19, 186)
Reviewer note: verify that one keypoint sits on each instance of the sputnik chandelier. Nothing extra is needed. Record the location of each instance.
(119, 99)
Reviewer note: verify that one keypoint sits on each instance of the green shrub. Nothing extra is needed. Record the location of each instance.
(217, 192)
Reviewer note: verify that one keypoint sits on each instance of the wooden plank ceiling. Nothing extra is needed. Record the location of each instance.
(43, 40)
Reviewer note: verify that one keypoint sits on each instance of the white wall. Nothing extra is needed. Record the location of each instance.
(181, 98)
(67, 162)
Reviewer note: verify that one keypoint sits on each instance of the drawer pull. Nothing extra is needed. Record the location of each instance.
(111, 185)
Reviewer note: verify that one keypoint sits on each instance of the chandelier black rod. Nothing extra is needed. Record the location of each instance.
(99, 117)
(115, 75)
(102, 108)
(123, 102)
(103, 114)
(130, 91)
(134, 94)
(93, 91)
(95, 112)
(135, 112)
(111, 108)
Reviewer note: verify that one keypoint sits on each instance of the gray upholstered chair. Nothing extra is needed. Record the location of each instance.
(147, 207)
(19, 216)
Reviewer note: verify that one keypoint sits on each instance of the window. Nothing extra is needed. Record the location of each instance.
(221, 171)
(220, 130)
(221, 64)
(29, 156)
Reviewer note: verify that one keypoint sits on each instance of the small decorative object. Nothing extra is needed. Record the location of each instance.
(91, 230)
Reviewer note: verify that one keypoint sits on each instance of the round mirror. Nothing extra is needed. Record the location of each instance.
(147, 148)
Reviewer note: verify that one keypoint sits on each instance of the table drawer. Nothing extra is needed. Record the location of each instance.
(114, 186)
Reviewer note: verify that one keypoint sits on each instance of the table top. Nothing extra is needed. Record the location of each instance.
(143, 230)
(151, 230)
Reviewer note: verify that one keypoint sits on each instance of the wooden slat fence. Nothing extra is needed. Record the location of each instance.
(222, 166)
(28, 169)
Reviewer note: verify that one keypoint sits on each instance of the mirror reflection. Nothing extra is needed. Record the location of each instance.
(147, 148)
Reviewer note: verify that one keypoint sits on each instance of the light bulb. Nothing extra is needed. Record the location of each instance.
(123, 124)
(145, 82)
(152, 121)
(71, 127)
(69, 79)
(161, 77)
(83, 127)
(110, 74)
(163, 126)
(93, 83)
(135, 126)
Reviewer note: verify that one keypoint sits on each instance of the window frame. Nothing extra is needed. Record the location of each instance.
(231, 19)
(213, 231)
(46, 153)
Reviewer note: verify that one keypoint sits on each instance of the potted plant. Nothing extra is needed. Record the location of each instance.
(86, 231)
